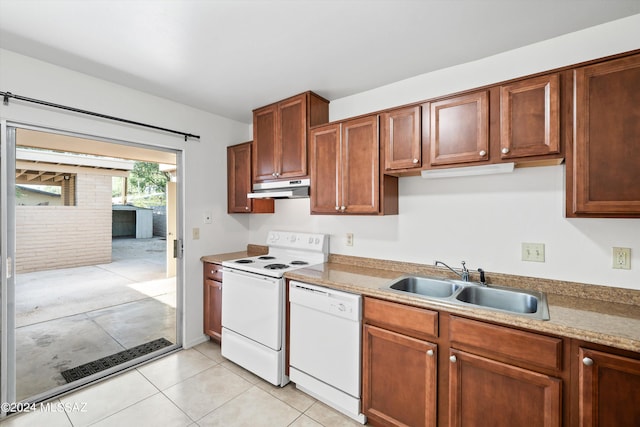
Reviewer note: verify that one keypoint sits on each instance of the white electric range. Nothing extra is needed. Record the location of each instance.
(253, 301)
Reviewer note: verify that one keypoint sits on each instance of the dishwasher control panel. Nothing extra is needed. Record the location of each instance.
(338, 303)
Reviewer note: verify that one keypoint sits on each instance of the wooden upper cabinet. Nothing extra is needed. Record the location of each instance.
(603, 165)
(401, 137)
(530, 117)
(345, 170)
(239, 182)
(325, 168)
(459, 131)
(360, 158)
(264, 152)
(280, 136)
(609, 390)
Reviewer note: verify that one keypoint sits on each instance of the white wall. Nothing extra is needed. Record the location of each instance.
(484, 219)
(204, 185)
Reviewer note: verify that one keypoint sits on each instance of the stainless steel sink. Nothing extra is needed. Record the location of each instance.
(425, 286)
(516, 301)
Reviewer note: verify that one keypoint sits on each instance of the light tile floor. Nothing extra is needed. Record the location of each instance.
(194, 387)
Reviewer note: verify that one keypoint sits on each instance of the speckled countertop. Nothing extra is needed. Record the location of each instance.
(599, 314)
(252, 250)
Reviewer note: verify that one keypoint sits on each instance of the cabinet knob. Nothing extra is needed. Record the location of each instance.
(246, 208)
(277, 173)
(274, 174)
(453, 359)
(430, 353)
(587, 361)
(337, 208)
(214, 271)
(482, 153)
(505, 150)
(343, 208)
(415, 161)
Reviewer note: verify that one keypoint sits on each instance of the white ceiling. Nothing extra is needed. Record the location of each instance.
(231, 56)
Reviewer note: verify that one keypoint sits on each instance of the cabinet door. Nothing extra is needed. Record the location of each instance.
(325, 169)
(489, 393)
(360, 183)
(264, 143)
(213, 308)
(238, 178)
(530, 117)
(292, 138)
(460, 129)
(392, 396)
(401, 139)
(603, 173)
(609, 390)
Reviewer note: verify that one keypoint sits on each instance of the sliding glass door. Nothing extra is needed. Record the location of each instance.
(91, 291)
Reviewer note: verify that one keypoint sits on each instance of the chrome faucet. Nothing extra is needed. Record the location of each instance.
(464, 275)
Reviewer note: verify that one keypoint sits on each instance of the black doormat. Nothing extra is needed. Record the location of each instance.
(107, 362)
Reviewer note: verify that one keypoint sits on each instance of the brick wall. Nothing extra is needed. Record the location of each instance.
(52, 237)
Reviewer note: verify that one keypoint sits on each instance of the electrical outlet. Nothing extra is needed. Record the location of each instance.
(533, 252)
(207, 217)
(622, 258)
(195, 233)
(349, 239)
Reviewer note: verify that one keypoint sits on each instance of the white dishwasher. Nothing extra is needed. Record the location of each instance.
(324, 353)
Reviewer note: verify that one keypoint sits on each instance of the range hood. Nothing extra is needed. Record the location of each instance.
(294, 189)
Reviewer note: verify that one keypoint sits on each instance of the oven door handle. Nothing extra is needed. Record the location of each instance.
(251, 275)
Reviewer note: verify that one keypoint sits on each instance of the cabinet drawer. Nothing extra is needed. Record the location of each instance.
(505, 343)
(412, 321)
(213, 271)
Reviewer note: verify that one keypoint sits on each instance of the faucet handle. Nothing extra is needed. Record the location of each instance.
(482, 279)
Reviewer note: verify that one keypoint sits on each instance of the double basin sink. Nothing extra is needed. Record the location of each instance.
(516, 301)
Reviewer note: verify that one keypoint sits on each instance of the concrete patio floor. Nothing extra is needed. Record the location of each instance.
(71, 316)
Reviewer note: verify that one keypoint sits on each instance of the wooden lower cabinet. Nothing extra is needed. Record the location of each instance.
(484, 392)
(399, 379)
(489, 374)
(213, 300)
(609, 389)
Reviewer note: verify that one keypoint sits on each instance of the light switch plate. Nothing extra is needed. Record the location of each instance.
(533, 252)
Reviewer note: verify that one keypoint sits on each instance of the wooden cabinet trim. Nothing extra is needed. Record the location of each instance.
(412, 321)
(512, 345)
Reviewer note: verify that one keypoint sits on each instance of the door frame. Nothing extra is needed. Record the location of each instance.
(7, 255)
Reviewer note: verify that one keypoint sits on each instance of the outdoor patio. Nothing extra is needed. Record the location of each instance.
(68, 317)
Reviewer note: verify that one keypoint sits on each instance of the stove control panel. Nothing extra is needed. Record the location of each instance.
(303, 241)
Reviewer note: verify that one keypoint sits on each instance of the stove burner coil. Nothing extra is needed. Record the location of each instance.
(298, 263)
(244, 261)
(276, 266)
(266, 257)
